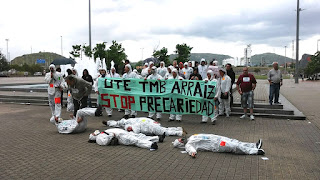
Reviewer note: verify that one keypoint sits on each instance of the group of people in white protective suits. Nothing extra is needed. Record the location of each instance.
(144, 132)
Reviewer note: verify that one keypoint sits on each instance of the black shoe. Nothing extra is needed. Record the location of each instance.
(161, 138)
(91, 141)
(213, 122)
(202, 122)
(154, 146)
(133, 116)
(151, 118)
(109, 115)
(126, 117)
(260, 152)
(105, 122)
(178, 120)
(114, 141)
(170, 120)
(259, 144)
(98, 111)
(158, 119)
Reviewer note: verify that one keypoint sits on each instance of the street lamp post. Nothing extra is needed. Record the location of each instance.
(285, 58)
(90, 24)
(297, 45)
(7, 50)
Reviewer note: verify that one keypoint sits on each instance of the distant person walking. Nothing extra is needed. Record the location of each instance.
(275, 81)
(246, 84)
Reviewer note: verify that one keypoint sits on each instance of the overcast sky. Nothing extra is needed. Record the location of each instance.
(209, 26)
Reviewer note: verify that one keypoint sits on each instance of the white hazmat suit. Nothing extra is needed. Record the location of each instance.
(129, 75)
(216, 143)
(216, 109)
(55, 81)
(154, 76)
(124, 138)
(223, 86)
(72, 126)
(176, 117)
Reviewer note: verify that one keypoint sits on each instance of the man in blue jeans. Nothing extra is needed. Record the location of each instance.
(275, 81)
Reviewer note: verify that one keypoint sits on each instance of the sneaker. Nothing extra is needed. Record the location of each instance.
(202, 122)
(158, 119)
(91, 141)
(243, 116)
(227, 115)
(109, 115)
(105, 122)
(260, 152)
(259, 144)
(170, 120)
(161, 138)
(114, 141)
(126, 116)
(213, 122)
(98, 111)
(154, 146)
(277, 103)
(178, 120)
(251, 117)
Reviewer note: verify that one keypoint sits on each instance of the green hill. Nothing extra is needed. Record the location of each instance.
(268, 58)
(32, 58)
(207, 56)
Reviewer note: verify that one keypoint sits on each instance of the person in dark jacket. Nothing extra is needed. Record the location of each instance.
(232, 75)
(195, 75)
(86, 76)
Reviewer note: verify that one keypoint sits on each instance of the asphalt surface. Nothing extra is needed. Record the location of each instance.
(31, 147)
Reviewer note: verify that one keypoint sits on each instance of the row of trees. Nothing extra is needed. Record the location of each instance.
(117, 53)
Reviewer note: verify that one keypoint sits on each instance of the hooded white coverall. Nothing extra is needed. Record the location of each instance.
(111, 75)
(124, 138)
(162, 70)
(144, 72)
(72, 126)
(146, 126)
(177, 117)
(154, 76)
(224, 84)
(130, 75)
(216, 143)
(202, 69)
(216, 109)
(168, 74)
(54, 93)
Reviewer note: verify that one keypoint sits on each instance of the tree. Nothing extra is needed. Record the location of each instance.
(183, 51)
(99, 51)
(76, 51)
(4, 65)
(161, 55)
(117, 54)
(87, 50)
(313, 66)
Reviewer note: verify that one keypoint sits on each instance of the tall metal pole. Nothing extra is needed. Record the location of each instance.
(90, 24)
(7, 51)
(61, 47)
(297, 45)
(285, 58)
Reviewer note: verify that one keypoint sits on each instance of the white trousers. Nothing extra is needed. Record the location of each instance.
(55, 103)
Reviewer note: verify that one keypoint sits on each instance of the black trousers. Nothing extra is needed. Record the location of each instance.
(79, 104)
(231, 97)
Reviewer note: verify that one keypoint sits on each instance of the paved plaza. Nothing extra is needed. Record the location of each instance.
(31, 147)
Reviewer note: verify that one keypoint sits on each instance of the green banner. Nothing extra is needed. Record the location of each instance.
(166, 96)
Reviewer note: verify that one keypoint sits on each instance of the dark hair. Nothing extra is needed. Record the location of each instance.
(69, 71)
(228, 64)
(127, 61)
(58, 69)
(86, 70)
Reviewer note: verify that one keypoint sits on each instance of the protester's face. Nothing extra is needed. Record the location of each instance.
(169, 70)
(203, 63)
(102, 72)
(149, 71)
(228, 67)
(174, 63)
(51, 69)
(190, 64)
(180, 66)
(221, 73)
(209, 76)
(85, 72)
(74, 72)
(245, 71)
(113, 71)
(174, 74)
(161, 64)
(275, 66)
(151, 65)
(186, 66)
(126, 69)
